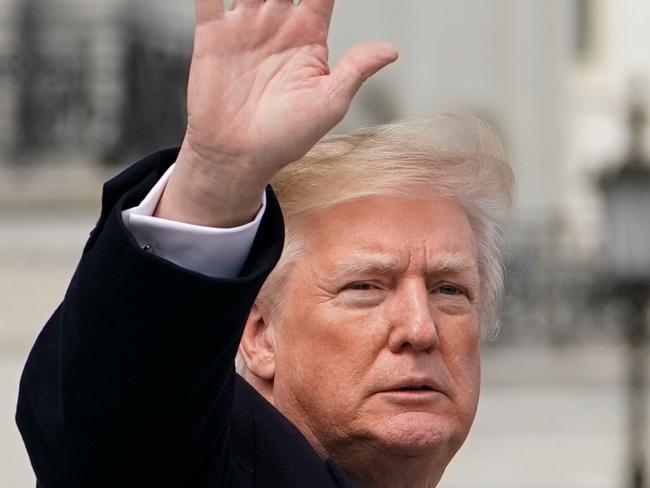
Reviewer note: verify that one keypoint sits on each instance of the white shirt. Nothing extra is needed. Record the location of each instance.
(211, 251)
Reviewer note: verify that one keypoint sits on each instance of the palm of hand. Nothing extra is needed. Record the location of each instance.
(260, 86)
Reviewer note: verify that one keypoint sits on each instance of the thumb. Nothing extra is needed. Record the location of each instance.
(359, 64)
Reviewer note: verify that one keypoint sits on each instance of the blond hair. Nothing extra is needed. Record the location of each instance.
(457, 155)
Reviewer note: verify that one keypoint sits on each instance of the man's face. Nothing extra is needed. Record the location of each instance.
(378, 340)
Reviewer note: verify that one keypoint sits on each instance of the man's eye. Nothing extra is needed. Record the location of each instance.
(361, 286)
(450, 290)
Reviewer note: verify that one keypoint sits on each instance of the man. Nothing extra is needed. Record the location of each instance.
(362, 348)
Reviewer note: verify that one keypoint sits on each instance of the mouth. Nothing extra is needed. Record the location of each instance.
(415, 383)
(414, 388)
(413, 396)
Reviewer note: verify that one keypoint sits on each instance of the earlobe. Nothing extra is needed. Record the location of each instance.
(257, 347)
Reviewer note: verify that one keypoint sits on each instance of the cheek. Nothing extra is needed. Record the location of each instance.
(460, 348)
(336, 336)
(334, 350)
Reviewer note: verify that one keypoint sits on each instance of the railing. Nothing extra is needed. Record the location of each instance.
(54, 87)
(557, 291)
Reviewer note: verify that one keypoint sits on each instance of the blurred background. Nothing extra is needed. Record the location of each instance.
(88, 87)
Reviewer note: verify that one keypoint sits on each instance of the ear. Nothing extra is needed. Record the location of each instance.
(257, 346)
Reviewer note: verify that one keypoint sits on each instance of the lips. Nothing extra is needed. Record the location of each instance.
(416, 388)
(415, 384)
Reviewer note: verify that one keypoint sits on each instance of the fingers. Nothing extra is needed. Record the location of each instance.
(322, 8)
(259, 3)
(246, 3)
(208, 10)
(359, 64)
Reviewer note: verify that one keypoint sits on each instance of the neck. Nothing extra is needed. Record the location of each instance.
(376, 469)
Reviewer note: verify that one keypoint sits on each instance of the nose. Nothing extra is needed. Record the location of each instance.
(412, 323)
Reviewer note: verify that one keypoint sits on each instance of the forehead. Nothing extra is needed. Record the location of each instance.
(421, 225)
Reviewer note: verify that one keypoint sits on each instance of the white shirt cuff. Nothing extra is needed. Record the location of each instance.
(211, 251)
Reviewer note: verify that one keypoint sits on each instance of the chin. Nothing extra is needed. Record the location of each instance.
(419, 433)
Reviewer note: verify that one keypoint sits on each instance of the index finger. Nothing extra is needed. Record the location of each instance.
(322, 8)
(327, 6)
(208, 10)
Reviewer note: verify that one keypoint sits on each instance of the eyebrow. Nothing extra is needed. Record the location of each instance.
(366, 263)
(452, 261)
(446, 262)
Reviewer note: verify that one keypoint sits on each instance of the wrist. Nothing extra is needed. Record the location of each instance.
(216, 193)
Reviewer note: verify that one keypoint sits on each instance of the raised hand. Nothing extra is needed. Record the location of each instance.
(260, 95)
